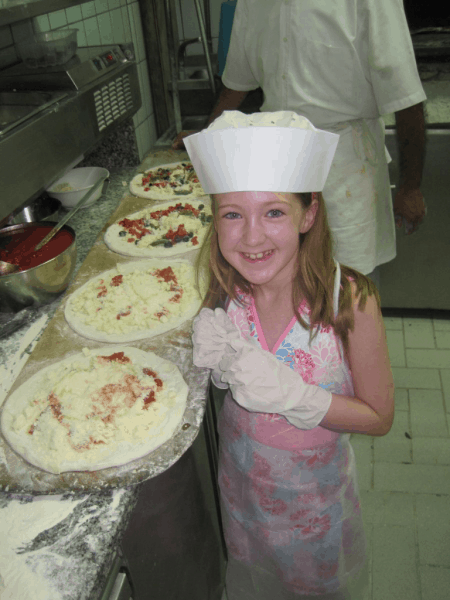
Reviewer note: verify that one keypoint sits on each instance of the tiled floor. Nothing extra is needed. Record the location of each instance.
(404, 477)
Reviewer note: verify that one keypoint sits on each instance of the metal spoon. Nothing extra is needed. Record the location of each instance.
(7, 268)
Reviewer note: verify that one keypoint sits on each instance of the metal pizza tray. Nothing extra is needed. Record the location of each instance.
(59, 340)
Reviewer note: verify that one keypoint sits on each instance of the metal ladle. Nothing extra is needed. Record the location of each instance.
(7, 268)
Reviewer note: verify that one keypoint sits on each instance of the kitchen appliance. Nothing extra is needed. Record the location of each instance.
(48, 48)
(417, 278)
(49, 117)
(12, 11)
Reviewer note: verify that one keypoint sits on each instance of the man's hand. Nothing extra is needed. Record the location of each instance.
(228, 100)
(409, 205)
(178, 143)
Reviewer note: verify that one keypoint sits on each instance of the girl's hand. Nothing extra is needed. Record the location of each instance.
(212, 332)
(261, 383)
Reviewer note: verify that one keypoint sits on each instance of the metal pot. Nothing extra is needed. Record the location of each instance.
(38, 285)
(41, 209)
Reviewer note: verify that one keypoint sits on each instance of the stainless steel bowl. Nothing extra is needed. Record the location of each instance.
(41, 209)
(38, 285)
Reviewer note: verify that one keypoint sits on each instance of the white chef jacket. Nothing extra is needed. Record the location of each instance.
(341, 64)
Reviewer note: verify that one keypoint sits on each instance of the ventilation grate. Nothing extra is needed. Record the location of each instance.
(112, 101)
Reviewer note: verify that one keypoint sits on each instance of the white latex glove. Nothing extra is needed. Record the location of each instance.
(261, 383)
(213, 330)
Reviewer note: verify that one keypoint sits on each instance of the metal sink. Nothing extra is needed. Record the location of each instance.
(17, 107)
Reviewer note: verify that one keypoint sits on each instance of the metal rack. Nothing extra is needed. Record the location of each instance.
(203, 78)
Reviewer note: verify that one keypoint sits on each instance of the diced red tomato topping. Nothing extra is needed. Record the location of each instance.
(103, 291)
(135, 227)
(149, 399)
(125, 314)
(117, 280)
(180, 232)
(166, 274)
(176, 298)
(117, 357)
(151, 373)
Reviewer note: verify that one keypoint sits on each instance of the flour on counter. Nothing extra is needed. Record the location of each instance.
(22, 576)
(17, 359)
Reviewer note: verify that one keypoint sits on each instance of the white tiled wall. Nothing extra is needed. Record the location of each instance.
(98, 22)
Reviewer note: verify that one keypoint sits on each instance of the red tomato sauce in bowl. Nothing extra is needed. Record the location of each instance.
(20, 249)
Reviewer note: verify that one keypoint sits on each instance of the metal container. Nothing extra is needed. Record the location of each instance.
(82, 101)
(41, 209)
(48, 48)
(38, 285)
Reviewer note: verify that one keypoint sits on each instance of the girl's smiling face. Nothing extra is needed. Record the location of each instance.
(258, 234)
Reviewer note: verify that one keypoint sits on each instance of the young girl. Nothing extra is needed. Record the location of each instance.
(302, 348)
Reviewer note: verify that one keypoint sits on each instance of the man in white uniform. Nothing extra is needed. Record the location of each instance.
(341, 64)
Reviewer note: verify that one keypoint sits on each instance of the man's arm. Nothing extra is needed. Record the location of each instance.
(228, 100)
(408, 202)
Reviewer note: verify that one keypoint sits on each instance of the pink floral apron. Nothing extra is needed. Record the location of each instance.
(291, 511)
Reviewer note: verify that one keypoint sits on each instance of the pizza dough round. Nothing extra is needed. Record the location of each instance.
(184, 222)
(96, 409)
(180, 179)
(134, 301)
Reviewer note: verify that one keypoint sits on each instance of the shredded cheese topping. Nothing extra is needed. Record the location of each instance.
(139, 300)
(170, 181)
(180, 224)
(83, 406)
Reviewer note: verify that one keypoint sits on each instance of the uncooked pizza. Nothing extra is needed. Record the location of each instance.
(134, 301)
(96, 409)
(167, 182)
(161, 230)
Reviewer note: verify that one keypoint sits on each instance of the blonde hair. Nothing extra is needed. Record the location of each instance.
(314, 280)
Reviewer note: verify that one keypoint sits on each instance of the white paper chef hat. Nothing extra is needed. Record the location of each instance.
(278, 151)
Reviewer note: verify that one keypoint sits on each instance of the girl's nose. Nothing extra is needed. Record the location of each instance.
(253, 233)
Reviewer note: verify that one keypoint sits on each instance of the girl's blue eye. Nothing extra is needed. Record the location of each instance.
(232, 215)
(275, 213)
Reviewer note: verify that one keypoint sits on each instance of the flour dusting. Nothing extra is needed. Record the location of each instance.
(17, 360)
(22, 577)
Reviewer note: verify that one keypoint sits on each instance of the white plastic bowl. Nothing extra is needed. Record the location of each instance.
(80, 180)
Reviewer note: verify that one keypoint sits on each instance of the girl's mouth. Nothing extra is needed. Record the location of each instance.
(258, 257)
